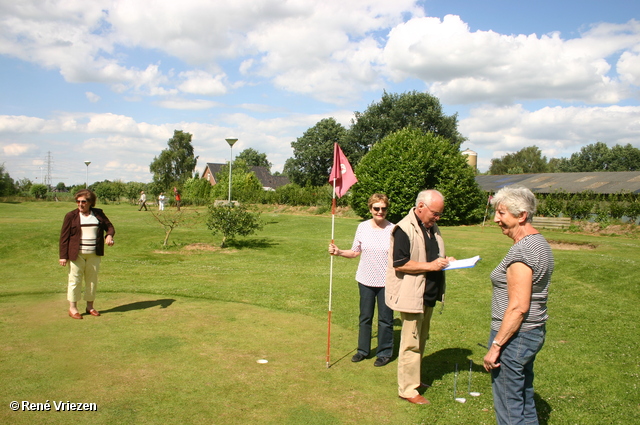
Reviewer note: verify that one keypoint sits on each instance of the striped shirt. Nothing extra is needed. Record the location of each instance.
(533, 251)
(373, 243)
(89, 226)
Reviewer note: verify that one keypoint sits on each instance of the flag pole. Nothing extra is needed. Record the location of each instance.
(486, 210)
(333, 224)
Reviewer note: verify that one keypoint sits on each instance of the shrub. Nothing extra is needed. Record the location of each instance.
(232, 220)
(408, 161)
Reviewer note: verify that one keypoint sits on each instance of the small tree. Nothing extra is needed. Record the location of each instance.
(232, 221)
(39, 191)
(170, 219)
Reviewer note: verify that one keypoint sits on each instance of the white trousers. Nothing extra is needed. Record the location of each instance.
(85, 266)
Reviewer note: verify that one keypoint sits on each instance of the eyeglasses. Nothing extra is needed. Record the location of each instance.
(81, 201)
(436, 214)
(377, 209)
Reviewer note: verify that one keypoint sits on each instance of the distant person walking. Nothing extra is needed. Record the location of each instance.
(372, 241)
(161, 199)
(82, 243)
(142, 201)
(176, 195)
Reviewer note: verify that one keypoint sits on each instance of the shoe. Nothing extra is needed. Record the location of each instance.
(93, 312)
(358, 357)
(74, 315)
(417, 400)
(381, 361)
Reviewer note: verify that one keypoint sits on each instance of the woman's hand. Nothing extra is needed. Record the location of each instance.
(491, 358)
(333, 250)
(63, 262)
(109, 240)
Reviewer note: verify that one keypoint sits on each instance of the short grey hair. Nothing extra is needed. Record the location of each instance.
(516, 200)
(428, 195)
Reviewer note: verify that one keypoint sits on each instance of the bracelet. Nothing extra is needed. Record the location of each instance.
(495, 342)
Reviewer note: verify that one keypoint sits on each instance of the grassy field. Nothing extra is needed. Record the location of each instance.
(182, 328)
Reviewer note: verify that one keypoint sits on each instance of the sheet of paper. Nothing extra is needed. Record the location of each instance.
(463, 264)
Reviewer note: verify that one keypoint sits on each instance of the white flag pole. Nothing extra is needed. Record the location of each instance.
(333, 223)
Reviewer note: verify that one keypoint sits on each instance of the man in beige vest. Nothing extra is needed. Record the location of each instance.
(415, 281)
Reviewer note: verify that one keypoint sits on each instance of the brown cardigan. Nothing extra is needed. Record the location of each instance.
(71, 234)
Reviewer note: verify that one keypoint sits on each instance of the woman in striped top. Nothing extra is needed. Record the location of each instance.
(519, 307)
(82, 245)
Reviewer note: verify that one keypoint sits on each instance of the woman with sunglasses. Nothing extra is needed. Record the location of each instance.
(82, 245)
(372, 241)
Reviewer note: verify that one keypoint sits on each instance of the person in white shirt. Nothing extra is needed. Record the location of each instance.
(372, 241)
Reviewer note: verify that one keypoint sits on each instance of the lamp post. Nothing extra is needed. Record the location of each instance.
(86, 183)
(231, 142)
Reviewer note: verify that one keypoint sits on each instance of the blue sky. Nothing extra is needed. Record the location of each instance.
(109, 81)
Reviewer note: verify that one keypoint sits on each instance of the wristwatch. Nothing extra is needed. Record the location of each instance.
(495, 342)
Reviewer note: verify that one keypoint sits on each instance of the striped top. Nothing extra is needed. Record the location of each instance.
(373, 243)
(89, 225)
(533, 251)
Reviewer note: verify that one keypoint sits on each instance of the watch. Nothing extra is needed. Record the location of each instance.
(495, 342)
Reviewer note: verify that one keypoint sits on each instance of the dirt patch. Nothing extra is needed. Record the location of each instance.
(570, 246)
(201, 247)
(197, 247)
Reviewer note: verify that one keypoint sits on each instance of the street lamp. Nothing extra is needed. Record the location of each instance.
(231, 143)
(86, 183)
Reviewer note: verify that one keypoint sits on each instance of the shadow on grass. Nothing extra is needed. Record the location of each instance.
(344, 357)
(543, 408)
(140, 305)
(261, 243)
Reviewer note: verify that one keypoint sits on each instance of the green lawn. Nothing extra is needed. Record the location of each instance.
(182, 328)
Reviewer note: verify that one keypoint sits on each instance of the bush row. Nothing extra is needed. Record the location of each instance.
(587, 205)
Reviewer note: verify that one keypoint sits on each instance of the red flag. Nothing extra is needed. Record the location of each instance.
(341, 172)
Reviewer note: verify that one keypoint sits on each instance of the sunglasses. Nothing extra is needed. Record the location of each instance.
(83, 201)
(377, 209)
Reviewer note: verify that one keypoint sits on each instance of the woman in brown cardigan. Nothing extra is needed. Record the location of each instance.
(82, 245)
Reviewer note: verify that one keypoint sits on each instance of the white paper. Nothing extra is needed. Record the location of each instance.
(463, 264)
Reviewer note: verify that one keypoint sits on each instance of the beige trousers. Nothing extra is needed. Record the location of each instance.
(413, 338)
(85, 266)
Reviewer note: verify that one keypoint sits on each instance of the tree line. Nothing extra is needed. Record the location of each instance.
(399, 145)
(594, 157)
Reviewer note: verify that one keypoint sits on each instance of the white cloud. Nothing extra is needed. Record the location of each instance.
(187, 104)
(466, 67)
(629, 67)
(16, 149)
(557, 131)
(203, 83)
(93, 98)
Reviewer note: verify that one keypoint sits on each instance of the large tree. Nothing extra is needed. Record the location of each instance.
(408, 161)
(313, 153)
(254, 158)
(394, 112)
(176, 164)
(7, 186)
(526, 160)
